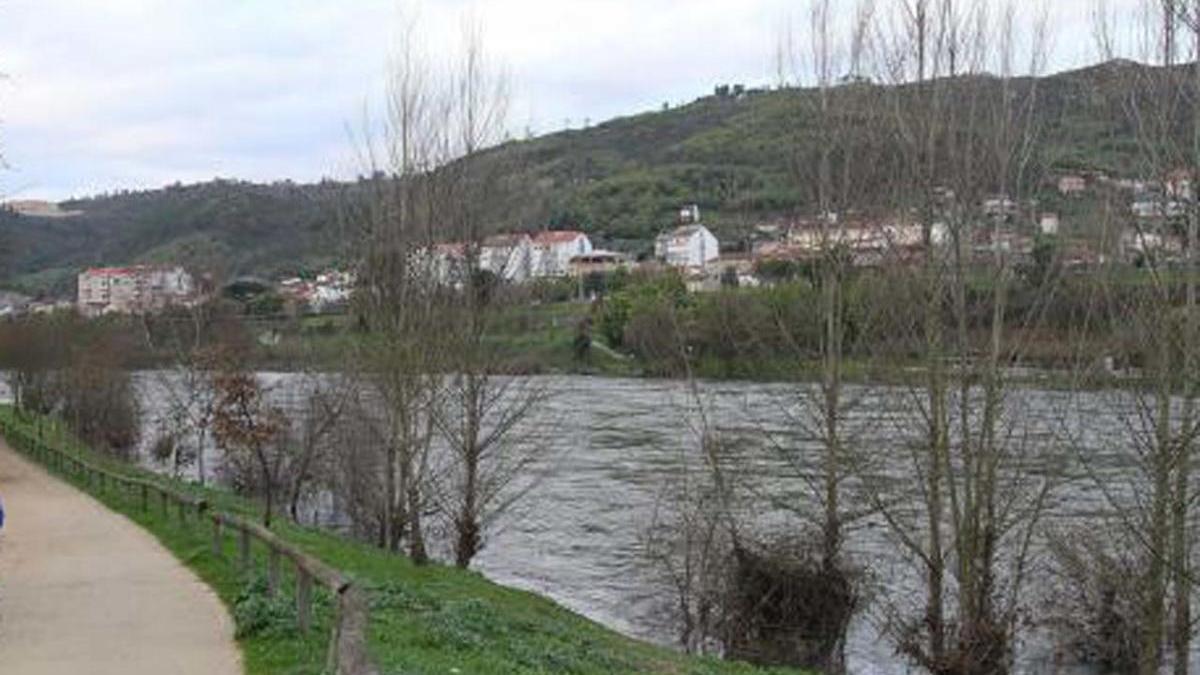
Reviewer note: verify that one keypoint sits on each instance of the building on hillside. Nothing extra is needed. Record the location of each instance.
(1001, 207)
(138, 289)
(508, 256)
(1139, 242)
(868, 242)
(1150, 208)
(13, 304)
(552, 251)
(687, 246)
(1072, 185)
(1178, 184)
(598, 262)
(446, 262)
(1049, 223)
(329, 292)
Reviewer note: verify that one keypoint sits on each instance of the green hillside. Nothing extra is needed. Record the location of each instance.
(621, 181)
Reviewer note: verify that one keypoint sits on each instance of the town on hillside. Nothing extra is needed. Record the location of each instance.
(1016, 230)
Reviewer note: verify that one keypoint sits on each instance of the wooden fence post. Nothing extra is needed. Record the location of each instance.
(216, 538)
(244, 549)
(273, 572)
(303, 599)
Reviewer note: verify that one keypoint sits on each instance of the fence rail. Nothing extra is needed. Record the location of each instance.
(347, 653)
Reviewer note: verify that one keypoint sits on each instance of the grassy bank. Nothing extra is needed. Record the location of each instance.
(432, 619)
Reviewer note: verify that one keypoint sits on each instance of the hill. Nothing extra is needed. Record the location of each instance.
(621, 181)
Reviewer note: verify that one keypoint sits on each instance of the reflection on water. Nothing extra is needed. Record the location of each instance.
(613, 445)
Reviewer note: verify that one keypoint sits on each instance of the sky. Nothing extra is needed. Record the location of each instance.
(104, 95)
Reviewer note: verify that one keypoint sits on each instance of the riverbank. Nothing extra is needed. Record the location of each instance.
(540, 339)
(423, 619)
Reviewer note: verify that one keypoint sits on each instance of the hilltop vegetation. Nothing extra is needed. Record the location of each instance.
(621, 181)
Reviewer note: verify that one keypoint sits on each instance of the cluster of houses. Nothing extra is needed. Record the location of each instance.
(329, 291)
(692, 248)
(1156, 209)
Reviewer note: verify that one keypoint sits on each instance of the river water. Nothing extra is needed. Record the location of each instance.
(613, 448)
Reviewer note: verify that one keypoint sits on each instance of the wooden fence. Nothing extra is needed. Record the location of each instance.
(347, 654)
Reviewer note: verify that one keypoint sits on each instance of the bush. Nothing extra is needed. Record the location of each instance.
(257, 613)
(1095, 607)
(785, 608)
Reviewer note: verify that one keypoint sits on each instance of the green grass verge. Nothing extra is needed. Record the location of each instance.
(431, 619)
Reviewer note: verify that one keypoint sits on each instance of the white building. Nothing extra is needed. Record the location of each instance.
(691, 246)
(132, 290)
(1144, 242)
(551, 252)
(508, 256)
(1072, 185)
(1049, 223)
(1157, 208)
(862, 237)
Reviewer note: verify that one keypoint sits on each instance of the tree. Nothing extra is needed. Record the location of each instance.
(1158, 316)
(249, 428)
(963, 140)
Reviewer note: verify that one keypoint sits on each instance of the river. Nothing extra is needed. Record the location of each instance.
(613, 447)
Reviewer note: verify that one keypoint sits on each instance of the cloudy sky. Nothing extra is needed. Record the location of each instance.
(111, 94)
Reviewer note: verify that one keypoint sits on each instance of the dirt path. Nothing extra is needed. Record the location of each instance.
(83, 590)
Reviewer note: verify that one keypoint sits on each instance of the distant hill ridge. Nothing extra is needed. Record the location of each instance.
(621, 181)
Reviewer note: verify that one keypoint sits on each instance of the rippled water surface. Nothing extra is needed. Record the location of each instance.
(613, 447)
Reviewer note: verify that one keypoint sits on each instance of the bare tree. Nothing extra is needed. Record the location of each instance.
(250, 429)
(1155, 320)
(968, 145)
(430, 297)
(484, 415)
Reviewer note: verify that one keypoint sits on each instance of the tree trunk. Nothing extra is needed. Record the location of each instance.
(389, 496)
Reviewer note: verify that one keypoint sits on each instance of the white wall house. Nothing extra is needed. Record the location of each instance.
(132, 290)
(1136, 241)
(687, 246)
(551, 252)
(508, 256)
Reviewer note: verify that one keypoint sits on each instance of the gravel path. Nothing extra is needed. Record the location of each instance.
(84, 590)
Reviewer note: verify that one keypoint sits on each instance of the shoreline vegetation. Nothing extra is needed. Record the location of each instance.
(424, 619)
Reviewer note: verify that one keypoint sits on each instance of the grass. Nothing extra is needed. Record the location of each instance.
(431, 619)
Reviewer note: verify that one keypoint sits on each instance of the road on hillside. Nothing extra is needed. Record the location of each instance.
(84, 590)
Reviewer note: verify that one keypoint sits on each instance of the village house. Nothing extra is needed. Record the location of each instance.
(1178, 184)
(1137, 242)
(1049, 224)
(330, 290)
(1147, 207)
(867, 241)
(690, 245)
(687, 246)
(138, 289)
(508, 256)
(552, 251)
(1072, 185)
(1001, 207)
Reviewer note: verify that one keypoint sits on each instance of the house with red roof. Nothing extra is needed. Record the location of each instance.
(551, 251)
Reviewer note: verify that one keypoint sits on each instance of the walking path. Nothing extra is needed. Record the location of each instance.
(84, 590)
